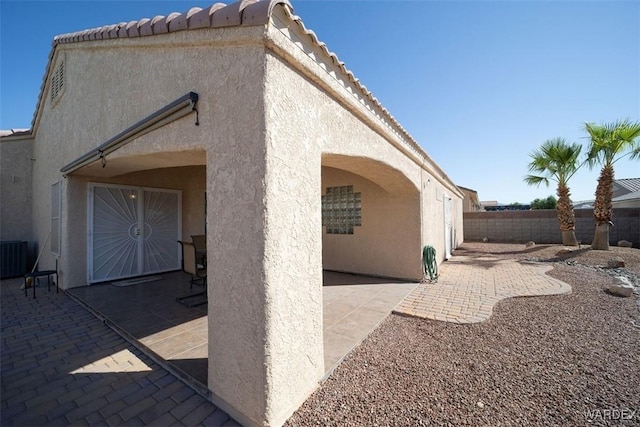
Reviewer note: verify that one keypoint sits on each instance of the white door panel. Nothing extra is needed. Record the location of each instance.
(160, 231)
(132, 231)
(447, 227)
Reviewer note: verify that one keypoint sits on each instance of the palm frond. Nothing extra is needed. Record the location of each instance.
(556, 159)
(536, 180)
(611, 141)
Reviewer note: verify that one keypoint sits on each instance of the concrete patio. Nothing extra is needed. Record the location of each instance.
(149, 315)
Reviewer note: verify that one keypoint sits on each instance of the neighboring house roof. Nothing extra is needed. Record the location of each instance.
(629, 184)
(629, 196)
(471, 201)
(467, 189)
(634, 195)
(15, 132)
(472, 194)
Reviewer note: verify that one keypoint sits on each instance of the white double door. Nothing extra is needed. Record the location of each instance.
(133, 231)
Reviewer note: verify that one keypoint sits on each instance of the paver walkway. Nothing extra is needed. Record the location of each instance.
(61, 366)
(469, 287)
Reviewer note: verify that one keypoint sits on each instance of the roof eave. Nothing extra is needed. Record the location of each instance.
(218, 15)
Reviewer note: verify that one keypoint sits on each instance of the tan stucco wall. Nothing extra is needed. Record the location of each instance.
(15, 189)
(106, 91)
(387, 243)
(269, 119)
(236, 195)
(470, 203)
(98, 103)
(433, 228)
(294, 245)
(349, 127)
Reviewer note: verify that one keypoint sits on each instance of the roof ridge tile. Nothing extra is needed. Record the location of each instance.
(239, 13)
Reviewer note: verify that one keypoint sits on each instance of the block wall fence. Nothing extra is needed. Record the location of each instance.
(542, 226)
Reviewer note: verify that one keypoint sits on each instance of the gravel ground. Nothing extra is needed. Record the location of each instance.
(566, 360)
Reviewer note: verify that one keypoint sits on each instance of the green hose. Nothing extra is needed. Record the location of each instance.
(429, 263)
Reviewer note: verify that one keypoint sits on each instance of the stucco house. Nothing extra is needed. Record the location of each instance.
(471, 201)
(234, 120)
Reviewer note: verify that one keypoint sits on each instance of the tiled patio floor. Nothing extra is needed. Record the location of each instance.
(353, 306)
(148, 313)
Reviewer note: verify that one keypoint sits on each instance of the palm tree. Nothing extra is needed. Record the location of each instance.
(609, 143)
(557, 160)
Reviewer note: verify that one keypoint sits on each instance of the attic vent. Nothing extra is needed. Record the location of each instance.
(57, 81)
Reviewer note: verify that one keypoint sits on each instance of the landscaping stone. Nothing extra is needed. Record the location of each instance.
(530, 243)
(625, 244)
(621, 286)
(615, 263)
(564, 251)
(540, 361)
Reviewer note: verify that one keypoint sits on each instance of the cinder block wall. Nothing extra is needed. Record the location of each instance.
(542, 226)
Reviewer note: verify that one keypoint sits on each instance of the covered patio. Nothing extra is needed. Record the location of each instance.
(148, 315)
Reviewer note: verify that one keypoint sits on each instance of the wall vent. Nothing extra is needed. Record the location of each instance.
(57, 81)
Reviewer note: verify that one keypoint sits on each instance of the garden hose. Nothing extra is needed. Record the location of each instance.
(429, 263)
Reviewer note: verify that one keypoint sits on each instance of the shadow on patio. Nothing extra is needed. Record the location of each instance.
(149, 315)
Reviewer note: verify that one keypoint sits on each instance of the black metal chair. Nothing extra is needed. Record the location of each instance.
(35, 276)
(198, 276)
(200, 242)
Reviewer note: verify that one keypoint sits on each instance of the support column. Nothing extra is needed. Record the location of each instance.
(264, 275)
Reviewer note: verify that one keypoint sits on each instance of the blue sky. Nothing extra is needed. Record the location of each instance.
(479, 84)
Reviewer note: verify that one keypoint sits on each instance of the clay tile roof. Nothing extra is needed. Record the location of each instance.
(240, 13)
(244, 12)
(202, 17)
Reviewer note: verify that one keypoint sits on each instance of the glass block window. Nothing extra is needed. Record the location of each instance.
(341, 210)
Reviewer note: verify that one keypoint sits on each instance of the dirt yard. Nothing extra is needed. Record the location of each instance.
(555, 360)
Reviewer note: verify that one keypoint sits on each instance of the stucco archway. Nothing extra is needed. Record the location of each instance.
(385, 237)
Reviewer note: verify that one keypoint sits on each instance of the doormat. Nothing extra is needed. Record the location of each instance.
(136, 281)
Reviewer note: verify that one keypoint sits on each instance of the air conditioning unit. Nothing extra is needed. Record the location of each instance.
(13, 258)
